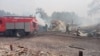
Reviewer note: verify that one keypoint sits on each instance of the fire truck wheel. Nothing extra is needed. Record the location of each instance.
(27, 33)
(20, 33)
(7, 34)
(11, 33)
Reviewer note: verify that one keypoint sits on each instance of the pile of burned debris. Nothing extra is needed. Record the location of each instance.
(12, 50)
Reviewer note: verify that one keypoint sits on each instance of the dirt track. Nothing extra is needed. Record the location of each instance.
(57, 43)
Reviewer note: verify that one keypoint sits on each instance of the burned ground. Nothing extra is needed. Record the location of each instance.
(58, 43)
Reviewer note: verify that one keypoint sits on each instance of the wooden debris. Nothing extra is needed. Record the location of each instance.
(80, 53)
(76, 47)
(11, 47)
(21, 51)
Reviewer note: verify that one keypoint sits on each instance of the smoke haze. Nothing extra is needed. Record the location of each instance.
(41, 22)
(86, 12)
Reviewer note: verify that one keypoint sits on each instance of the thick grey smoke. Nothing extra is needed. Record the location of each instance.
(41, 22)
(4, 13)
(94, 7)
(93, 17)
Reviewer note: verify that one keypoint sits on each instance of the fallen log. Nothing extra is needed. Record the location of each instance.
(76, 47)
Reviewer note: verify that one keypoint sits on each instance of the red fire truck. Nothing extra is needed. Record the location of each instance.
(17, 25)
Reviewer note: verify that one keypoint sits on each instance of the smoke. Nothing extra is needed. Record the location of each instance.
(89, 21)
(5, 13)
(94, 7)
(41, 22)
(93, 14)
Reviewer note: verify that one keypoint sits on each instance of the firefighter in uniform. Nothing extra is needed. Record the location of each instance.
(77, 32)
(45, 27)
(67, 29)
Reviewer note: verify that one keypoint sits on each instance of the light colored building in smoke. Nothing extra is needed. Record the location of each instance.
(58, 25)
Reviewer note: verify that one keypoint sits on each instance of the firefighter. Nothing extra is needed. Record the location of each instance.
(67, 29)
(77, 32)
(46, 27)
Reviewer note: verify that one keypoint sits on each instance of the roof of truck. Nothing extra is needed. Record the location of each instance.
(19, 16)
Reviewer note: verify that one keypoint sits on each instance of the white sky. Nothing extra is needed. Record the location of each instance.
(28, 6)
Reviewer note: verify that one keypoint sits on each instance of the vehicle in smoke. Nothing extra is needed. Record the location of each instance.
(18, 25)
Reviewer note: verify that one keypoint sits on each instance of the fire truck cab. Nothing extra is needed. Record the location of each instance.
(17, 25)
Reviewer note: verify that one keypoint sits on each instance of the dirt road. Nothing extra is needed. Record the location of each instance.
(61, 44)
